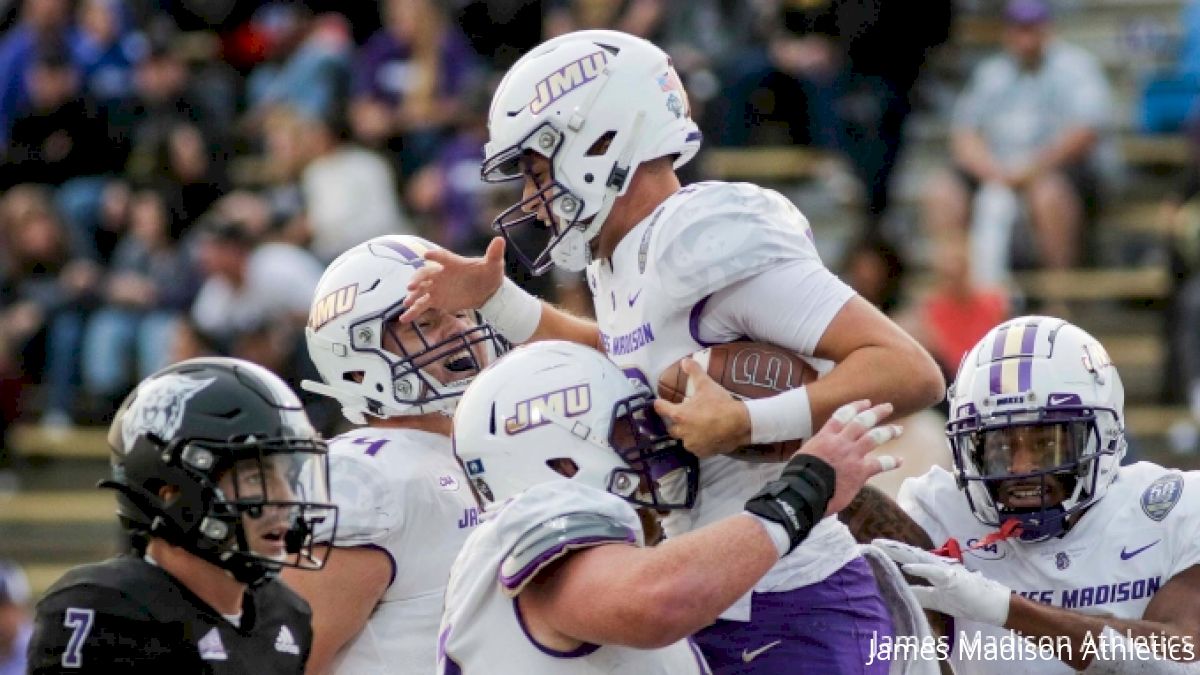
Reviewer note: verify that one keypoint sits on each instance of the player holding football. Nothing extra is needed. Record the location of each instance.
(221, 481)
(405, 506)
(561, 446)
(594, 123)
(1037, 434)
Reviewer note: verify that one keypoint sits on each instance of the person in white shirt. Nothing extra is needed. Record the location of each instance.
(564, 451)
(595, 123)
(404, 505)
(1057, 540)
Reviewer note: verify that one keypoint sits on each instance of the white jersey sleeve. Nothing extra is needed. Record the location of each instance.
(482, 629)
(789, 305)
(723, 233)
(922, 498)
(369, 506)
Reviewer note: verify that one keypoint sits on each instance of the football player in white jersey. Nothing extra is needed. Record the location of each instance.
(405, 506)
(1057, 539)
(561, 446)
(595, 123)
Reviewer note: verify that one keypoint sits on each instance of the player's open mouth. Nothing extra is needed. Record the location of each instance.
(461, 361)
(275, 537)
(1027, 495)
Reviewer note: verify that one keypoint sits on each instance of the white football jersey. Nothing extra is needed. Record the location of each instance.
(482, 630)
(649, 303)
(1122, 550)
(400, 491)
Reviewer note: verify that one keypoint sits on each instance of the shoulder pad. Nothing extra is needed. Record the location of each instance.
(552, 539)
(724, 233)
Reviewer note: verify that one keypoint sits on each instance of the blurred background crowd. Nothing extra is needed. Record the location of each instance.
(175, 174)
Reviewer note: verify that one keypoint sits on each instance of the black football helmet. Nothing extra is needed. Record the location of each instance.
(217, 456)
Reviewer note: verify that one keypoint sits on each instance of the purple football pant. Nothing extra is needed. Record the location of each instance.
(824, 628)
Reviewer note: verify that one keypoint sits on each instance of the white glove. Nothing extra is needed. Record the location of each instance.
(953, 589)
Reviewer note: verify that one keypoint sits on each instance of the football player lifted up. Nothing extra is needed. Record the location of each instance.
(594, 124)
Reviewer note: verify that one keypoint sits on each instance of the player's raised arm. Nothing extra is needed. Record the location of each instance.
(451, 282)
(673, 590)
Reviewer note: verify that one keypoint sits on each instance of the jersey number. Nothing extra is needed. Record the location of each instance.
(80, 622)
(372, 446)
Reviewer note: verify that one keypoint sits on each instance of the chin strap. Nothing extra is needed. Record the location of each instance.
(952, 549)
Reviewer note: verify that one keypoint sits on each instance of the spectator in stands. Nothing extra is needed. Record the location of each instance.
(1032, 123)
(190, 164)
(957, 312)
(310, 66)
(43, 24)
(60, 135)
(642, 18)
(409, 80)
(44, 281)
(149, 284)
(247, 282)
(107, 51)
(876, 271)
(166, 94)
(837, 74)
(16, 624)
(349, 192)
(61, 140)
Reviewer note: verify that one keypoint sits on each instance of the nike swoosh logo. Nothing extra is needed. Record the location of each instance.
(1059, 400)
(748, 656)
(1127, 555)
(633, 298)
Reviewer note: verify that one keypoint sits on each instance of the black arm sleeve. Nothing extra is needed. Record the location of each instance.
(89, 629)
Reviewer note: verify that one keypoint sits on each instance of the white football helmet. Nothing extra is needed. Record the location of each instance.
(1036, 371)
(555, 409)
(355, 305)
(597, 104)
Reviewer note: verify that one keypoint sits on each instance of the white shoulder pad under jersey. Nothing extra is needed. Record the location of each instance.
(401, 492)
(1114, 560)
(715, 234)
(482, 630)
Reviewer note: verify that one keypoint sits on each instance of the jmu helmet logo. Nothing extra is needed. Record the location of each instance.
(566, 80)
(1062, 561)
(333, 305)
(159, 407)
(569, 402)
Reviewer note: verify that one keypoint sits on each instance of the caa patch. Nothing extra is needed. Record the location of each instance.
(1162, 496)
(994, 551)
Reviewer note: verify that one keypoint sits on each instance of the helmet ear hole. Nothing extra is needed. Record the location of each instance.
(601, 144)
(355, 376)
(563, 465)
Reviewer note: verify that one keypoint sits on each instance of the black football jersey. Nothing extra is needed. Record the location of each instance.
(126, 615)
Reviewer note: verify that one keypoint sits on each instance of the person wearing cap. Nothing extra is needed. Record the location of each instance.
(15, 622)
(1029, 127)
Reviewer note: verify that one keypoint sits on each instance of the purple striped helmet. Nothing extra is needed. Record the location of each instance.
(1036, 425)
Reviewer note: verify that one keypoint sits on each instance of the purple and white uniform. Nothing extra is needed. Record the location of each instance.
(1121, 551)
(402, 492)
(718, 262)
(482, 629)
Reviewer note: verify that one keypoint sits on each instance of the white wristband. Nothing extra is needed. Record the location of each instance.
(782, 417)
(777, 532)
(514, 313)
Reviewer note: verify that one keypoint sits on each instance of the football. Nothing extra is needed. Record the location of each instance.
(745, 370)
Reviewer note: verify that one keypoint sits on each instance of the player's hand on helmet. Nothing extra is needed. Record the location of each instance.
(846, 440)
(451, 282)
(710, 421)
(952, 589)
